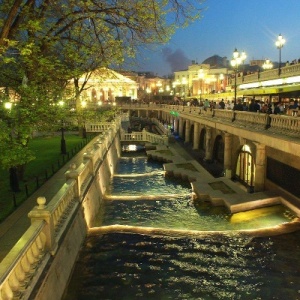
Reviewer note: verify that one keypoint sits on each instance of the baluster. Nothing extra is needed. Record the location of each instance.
(6, 292)
(14, 283)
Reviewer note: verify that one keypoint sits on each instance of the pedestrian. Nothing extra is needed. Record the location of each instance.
(238, 105)
(222, 104)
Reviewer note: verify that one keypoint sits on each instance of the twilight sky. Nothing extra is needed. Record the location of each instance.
(248, 25)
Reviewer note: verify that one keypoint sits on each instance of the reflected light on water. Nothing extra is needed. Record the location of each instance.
(151, 262)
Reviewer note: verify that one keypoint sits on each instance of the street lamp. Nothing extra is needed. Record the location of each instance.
(183, 84)
(237, 59)
(201, 76)
(279, 44)
(83, 104)
(267, 65)
(13, 174)
(63, 147)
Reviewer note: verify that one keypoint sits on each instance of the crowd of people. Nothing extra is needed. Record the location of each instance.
(251, 105)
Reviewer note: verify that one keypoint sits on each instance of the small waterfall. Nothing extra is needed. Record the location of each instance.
(146, 197)
(140, 175)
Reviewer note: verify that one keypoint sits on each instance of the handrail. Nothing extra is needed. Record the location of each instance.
(17, 269)
(144, 136)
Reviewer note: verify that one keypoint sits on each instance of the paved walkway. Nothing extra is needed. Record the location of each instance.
(12, 228)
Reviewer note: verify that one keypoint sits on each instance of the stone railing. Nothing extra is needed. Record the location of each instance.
(20, 269)
(287, 71)
(289, 125)
(252, 121)
(97, 127)
(224, 115)
(144, 136)
(165, 130)
(286, 125)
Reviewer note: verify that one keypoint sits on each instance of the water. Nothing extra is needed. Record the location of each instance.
(216, 266)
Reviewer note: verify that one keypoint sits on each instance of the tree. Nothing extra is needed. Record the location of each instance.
(45, 43)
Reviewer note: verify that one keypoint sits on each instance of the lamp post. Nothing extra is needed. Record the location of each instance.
(200, 76)
(183, 84)
(279, 44)
(267, 65)
(63, 147)
(13, 170)
(237, 59)
(83, 104)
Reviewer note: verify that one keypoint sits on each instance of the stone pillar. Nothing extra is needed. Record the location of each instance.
(227, 155)
(187, 131)
(159, 114)
(260, 168)
(181, 127)
(176, 120)
(41, 212)
(147, 113)
(196, 136)
(138, 113)
(208, 150)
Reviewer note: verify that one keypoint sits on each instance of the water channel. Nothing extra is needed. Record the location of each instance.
(140, 265)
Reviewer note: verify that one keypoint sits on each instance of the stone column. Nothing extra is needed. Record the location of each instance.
(138, 113)
(181, 127)
(187, 131)
(260, 168)
(208, 150)
(196, 136)
(159, 112)
(227, 155)
(176, 120)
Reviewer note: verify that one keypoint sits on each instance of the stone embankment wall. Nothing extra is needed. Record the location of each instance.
(40, 264)
(55, 280)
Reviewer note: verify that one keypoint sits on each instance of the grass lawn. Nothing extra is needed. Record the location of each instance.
(48, 161)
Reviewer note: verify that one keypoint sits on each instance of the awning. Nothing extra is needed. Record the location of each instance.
(271, 90)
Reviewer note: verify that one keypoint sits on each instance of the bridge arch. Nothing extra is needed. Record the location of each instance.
(218, 149)
(245, 167)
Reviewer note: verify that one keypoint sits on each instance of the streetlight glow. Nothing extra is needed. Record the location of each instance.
(8, 105)
(237, 59)
(267, 65)
(279, 44)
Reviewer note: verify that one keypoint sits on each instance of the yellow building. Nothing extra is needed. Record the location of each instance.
(200, 80)
(105, 86)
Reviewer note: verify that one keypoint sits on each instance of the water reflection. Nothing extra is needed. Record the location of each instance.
(132, 266)
(147, 265)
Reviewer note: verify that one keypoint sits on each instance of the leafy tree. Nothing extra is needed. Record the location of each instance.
(45, 43)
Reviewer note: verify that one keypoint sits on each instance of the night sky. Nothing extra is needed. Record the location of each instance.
(248, 25)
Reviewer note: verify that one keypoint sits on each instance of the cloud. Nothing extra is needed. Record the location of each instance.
(176, 59)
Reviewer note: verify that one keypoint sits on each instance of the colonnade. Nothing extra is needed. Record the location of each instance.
(190, 131)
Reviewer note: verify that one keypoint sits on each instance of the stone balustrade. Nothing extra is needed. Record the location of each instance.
(286, 125)
(287, 71)
(254, 121)
(20, 269)
(144, 136)
(224, 115)
(289, 125)
(97, 127)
